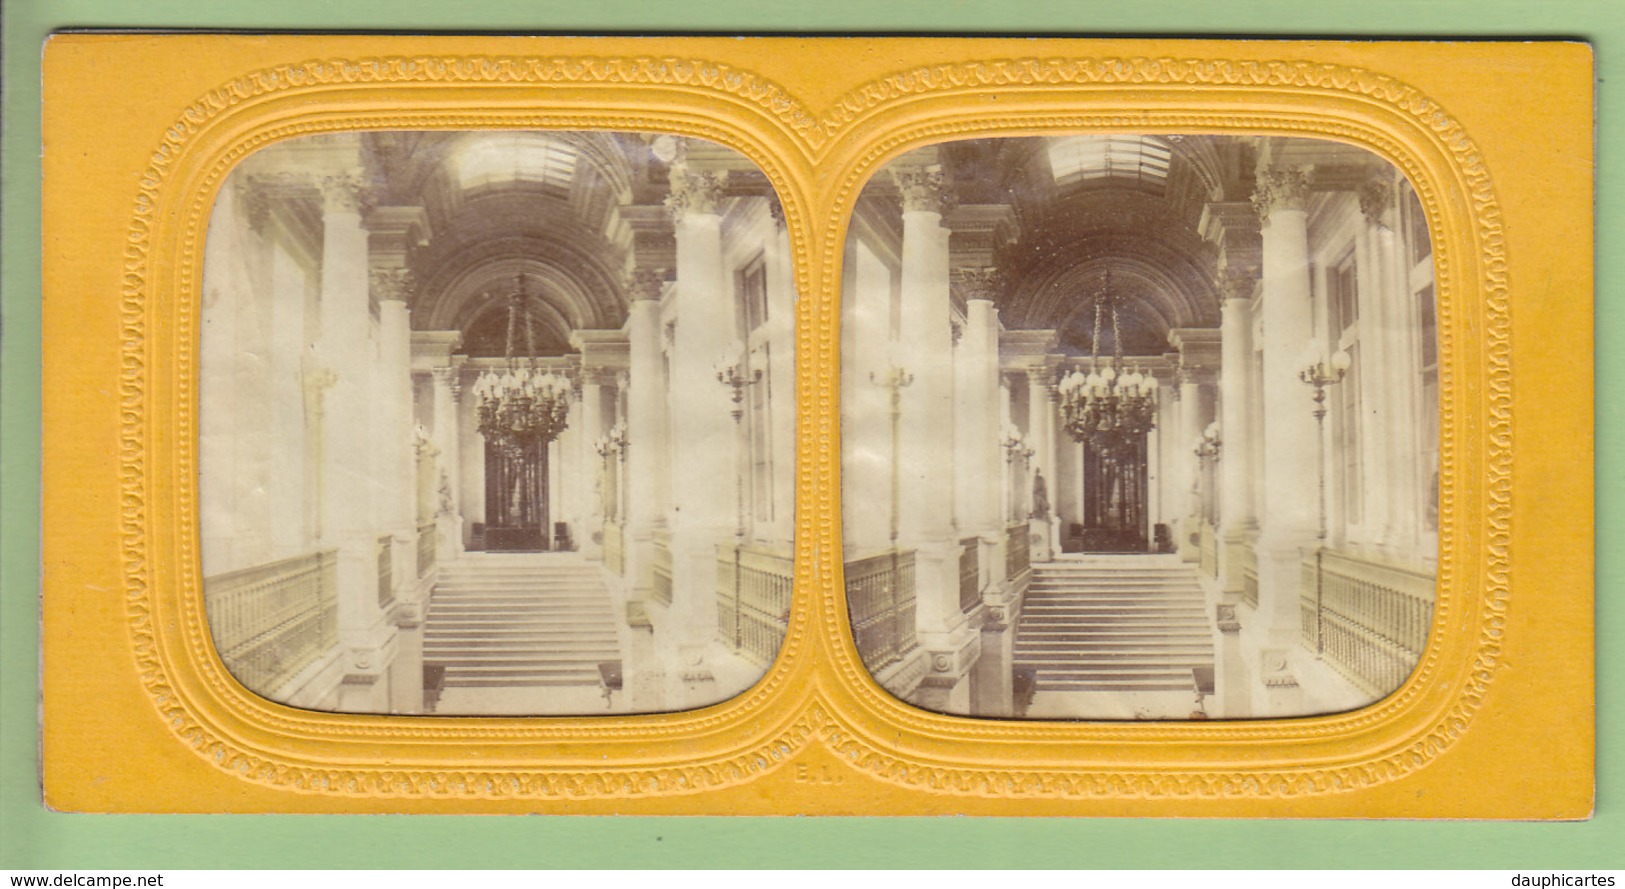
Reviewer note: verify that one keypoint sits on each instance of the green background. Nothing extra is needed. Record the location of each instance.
(31, 837)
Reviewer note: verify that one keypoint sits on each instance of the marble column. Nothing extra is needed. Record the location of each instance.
(290, 498)
(1291, 478)
(223, 293)
(395, 454)
(448, 481)
(1236, 519)
(1166, 455)
(1188, 496)
(645, 429)
(981, 402)
(1391, 385)
(866, 400)
(1041, 437)
(1231, 677)
(348, 415)
(985, 468)
(781, 399)
(590, 534)
(927, 478)
(705, 442)
(638, 506)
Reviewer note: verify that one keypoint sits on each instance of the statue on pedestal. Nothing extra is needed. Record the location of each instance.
(1040, 496)
(447, 507)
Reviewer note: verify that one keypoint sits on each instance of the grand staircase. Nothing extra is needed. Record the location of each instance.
(519, 620)
(1113, 623)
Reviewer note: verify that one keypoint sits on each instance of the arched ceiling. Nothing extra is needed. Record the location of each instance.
(1148, 247)
(573, 211)
(1124, 205)
(494, 235)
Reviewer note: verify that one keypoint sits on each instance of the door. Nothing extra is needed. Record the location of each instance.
(1115, 499)
(516, 489)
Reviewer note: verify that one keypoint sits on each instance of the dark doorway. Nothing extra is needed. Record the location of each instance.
(516, 491)
(1115, 501)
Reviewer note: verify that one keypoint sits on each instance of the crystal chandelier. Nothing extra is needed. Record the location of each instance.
(1109, 409)
(521, 405)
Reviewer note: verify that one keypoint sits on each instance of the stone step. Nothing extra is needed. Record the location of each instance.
(1108, 577)
(493, 630)
(519, 621)
(520, 658)
(520, 681)
(475, 647)
(1114, 623)
(1154, 623)
(1169, 684)
(1100, 587)
(521, 643)
(517, 584)
(587, 607)
(1114, 645)
(1090, 608)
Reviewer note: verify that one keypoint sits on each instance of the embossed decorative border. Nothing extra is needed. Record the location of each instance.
(816, 734)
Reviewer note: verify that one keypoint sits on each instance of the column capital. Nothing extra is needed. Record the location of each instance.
(775, 209)
(1236, 284)
(449, 377)
(597, 376)
(922, 189)
(346, 191)
(251, 193)
(980, 282)
(1376, 195)
(1282, 188)
(645, 284)
(392, 284)
(695, 192)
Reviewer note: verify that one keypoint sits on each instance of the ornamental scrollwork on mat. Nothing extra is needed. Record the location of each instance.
(816, 721)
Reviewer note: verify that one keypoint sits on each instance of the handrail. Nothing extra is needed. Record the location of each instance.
(1368, 619)
(614, 548)
(753, 600)
(660, 565)
(970, 574)
(1249, 575)
(880, 600)
(426, 547)
(1018, 556)
(270, 621)
(1209, 550)
(386, 569)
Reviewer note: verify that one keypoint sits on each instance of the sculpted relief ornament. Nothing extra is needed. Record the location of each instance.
(1282, 189)
(922, 189)
(391, 284)
(346, 192)
(979, 282)
(697, 192)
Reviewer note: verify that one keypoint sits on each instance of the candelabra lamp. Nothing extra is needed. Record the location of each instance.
(733, 373)
(1320, 372)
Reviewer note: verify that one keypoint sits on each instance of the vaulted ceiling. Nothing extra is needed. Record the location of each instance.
(568, 212)
(1086, 210)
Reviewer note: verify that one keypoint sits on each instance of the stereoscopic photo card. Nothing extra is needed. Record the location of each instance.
(817, 425)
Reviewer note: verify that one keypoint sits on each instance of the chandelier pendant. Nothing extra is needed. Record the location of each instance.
(523, 405)
(1110, 408)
